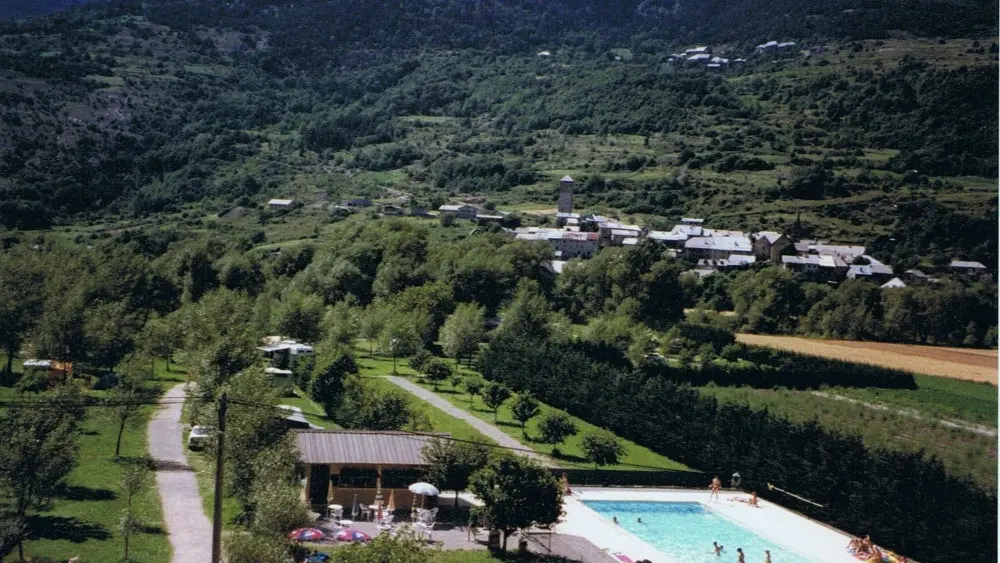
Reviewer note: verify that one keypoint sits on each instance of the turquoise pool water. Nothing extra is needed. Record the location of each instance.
(685, 532)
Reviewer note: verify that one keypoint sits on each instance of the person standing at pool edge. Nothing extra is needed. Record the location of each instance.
(715, 486)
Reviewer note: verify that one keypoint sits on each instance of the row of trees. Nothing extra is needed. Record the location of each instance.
(774, 300)
(883, 493)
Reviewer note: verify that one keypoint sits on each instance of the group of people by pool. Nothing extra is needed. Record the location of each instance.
(716, 485)
(740, 557)
(868, 552)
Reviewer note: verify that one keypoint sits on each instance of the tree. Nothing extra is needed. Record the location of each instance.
(249, 430)
(124, 401)
(449, 463)
(494, 396)
(135, 480)
(447, 220)
(463, 331)
(373, 408)
(160, 338)
(39, 450)
(299, 316)
(525, 407)
(372, 324)
(527, 315)
(516, 493)
(438, 370)
(326, 386)
(404, 547)
(277, 508)
(20, 303)
(555, 427)
(473, 386)
(420, 360)
(399, 338)
(246, 547)
(109, 332)
(602, 448)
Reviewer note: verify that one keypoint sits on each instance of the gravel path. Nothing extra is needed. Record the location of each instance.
(188, 528)
(489, 430)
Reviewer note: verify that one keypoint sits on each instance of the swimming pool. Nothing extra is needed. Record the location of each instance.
(684, 531)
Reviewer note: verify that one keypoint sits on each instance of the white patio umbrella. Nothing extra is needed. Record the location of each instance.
(423, 489)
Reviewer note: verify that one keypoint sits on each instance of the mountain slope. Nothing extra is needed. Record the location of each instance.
(109, 111)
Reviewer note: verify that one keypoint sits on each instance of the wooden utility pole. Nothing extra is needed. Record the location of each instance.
(220, 440)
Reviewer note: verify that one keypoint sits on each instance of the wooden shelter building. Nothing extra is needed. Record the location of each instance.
(344, 466)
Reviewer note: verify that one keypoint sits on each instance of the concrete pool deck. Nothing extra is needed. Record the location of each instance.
(810, 538)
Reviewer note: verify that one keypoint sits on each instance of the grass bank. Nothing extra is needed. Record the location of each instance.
(83, 518)
(572, 454)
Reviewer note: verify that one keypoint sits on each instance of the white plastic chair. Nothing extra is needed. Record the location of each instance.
(386, 524)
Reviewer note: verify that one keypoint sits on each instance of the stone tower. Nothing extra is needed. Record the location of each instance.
(566, 195)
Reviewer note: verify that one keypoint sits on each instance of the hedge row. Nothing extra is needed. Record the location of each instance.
(772, 368)
(907, 503)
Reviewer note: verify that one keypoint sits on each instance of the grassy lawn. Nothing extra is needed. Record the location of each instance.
(636, 456)
(83, 518)
(439, 420)
(571, 451)
(937, 397)
(309, 407)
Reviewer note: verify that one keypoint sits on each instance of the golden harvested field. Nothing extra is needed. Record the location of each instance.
(956, 363)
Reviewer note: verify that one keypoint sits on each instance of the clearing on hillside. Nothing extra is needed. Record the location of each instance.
(956, 363)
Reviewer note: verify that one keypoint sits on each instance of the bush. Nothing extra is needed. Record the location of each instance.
(243, 547)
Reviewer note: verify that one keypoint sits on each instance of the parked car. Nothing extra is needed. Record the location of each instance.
(199, 436)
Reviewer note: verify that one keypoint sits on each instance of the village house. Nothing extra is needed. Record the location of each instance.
(967, 268)
(393, 210)
(816, 266)
(565, 244)
(717, 247)
(670, 239)
(733, 262)
(460, 210)
(894, 283)
(915, 276)
(278, 204)
(846, 252)
(483, 220)
(355, 203)
(769, 245)
(874, 271)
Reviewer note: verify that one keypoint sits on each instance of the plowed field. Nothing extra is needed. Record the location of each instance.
(956, 363)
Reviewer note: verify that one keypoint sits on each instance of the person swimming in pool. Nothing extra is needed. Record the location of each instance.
(717, 549)
(740, 558)
(614, 519)
(639, 519)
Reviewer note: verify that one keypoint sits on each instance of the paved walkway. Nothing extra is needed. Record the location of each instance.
(188, 528)
(486, 428)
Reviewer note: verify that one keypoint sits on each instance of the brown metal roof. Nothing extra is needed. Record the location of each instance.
(359, 447)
